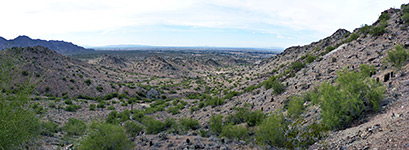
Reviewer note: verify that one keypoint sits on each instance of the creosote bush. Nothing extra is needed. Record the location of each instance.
(297, 65)
(405, 10)
(398, 57)
(296, 106)
(310, 58)
(153, 126)
(88, 82)
(216, 124)
(244, 115)
(92, 107)
(237, 132)
(105, 136)
(132, 128)
(49, 128)
(271, 131)
(272, 82)
(379, 29)
(75, 127)
(189, 123)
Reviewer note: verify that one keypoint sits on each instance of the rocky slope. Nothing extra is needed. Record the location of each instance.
(59, 75)
(383, 130)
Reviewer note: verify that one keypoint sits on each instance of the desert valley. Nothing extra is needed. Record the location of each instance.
(346, 91)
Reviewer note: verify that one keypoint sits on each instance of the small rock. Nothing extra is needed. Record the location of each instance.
(213, 138)
(224, 148)
(163, 136)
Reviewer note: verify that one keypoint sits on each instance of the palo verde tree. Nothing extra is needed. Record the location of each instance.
(18, 124)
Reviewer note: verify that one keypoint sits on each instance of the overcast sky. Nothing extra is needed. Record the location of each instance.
(230, 23)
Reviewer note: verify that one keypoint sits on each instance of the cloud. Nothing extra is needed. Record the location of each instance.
(57, 17)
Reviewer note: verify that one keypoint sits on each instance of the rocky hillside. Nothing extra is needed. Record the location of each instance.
(61, 47)
(58, 75)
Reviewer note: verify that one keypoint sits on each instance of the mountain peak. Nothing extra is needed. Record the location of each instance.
(22, 37)
(58, 46)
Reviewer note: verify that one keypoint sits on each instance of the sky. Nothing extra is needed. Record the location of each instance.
(220, 23)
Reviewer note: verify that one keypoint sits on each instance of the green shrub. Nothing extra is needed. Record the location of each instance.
(295, 107)
(271, 131)
(72, 108)
(310, 58)
(398, 57)
(215, 101)
(405, 8)
(242, 115)
(251, 88)
(75, 127)
(174, 127)
(138, 115)
(49, 128)
(132, 129)
(112, 118)
(88, 82)
(173, 110)
(329, 49)
(153, 126)
(255, 118)
(111, 108)
(298, 136)
(24, 73)
(189, 123)
(379, 29)
(230, 95)
(238, 117)
(99, 88)
(201, 105)
(351, 38)
(384, 16)
(365, 29)
(278, 87)
(92, 107)
(124, 115)
(47, 89)
(193, 109)
(105, 136)
(68, 101)
(405, 17)
(115, 118)
(353, 94)
(38, 109)
(170, 122)
(237, 132)
(101, 105)
(216, 124)
(272, 82)
(297, 65)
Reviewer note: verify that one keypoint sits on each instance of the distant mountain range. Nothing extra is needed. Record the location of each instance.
(61, 47)
(148, 47)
